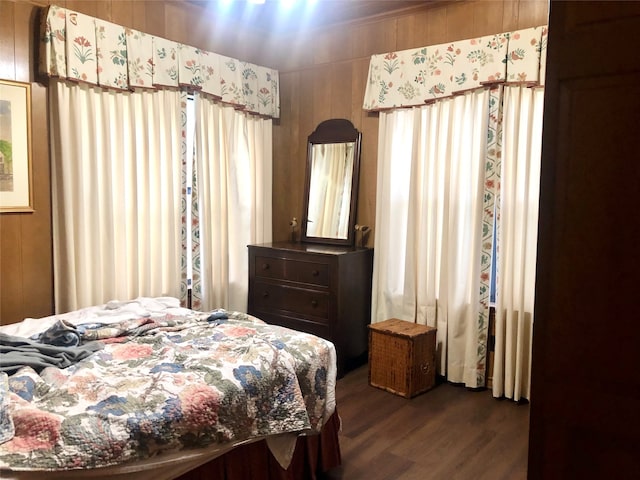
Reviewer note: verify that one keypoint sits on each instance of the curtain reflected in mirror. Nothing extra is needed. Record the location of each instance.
(331, 183)
(330, 190)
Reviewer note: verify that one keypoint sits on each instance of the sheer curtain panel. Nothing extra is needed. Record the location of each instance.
(234, 176)
(431, 169)
(456, 217)
(116, 188)
(517, 240)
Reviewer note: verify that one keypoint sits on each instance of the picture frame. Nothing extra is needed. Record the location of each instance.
(16, 193)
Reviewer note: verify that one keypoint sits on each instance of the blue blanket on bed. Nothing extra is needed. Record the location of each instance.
(18, 352)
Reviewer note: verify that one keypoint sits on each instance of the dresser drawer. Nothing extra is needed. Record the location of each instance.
(320, 289)
(270, 297)
(312, 273)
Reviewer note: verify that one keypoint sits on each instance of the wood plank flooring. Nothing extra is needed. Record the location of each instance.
(449, 432)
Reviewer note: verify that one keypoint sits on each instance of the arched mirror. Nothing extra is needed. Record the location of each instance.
(331, 186)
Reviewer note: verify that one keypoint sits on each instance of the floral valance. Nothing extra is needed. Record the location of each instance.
(82, 48)
(413, 77)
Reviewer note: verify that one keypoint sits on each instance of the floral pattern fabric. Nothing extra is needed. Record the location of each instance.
(81, 52)
(413, 77)
(231, 83)
(491, 186)
(211, 81)
(139, 58)
(7, 429)
(190, 69)
(216, 381)
(165, 62)
(87, 49)
(112, 51)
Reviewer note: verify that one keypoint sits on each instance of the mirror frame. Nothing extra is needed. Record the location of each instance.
(337, 130)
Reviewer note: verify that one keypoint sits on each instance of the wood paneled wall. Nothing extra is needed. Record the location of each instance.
(322, 73)
(26, 262)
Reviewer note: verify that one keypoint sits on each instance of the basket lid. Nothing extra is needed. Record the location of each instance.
(395, 326)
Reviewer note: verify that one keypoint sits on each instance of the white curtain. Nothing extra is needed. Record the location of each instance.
(517, 240)
(116, 188)
(428, 224)
(438, 169)
(234, 176)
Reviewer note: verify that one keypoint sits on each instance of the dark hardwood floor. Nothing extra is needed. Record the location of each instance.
(449, 432)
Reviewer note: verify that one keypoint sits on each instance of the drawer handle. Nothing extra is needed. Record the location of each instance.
(265, 266)
(265, 295)
(314, 303)
(315, 273)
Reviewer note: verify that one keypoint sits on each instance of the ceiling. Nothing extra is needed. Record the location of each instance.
(275, 15)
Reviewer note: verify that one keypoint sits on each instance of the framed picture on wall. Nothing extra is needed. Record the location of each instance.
(15, 147)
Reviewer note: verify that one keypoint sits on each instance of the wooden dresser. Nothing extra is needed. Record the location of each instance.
(319, 289)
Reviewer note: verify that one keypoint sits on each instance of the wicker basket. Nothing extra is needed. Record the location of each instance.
(402, 357)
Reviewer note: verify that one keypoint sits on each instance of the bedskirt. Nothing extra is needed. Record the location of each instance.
(313, 455)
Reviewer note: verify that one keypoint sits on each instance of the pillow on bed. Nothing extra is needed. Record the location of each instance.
(6, 423)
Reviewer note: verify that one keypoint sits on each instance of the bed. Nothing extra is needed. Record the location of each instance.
(145, 389)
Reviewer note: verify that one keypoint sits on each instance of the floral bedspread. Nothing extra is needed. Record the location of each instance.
(206, 383)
